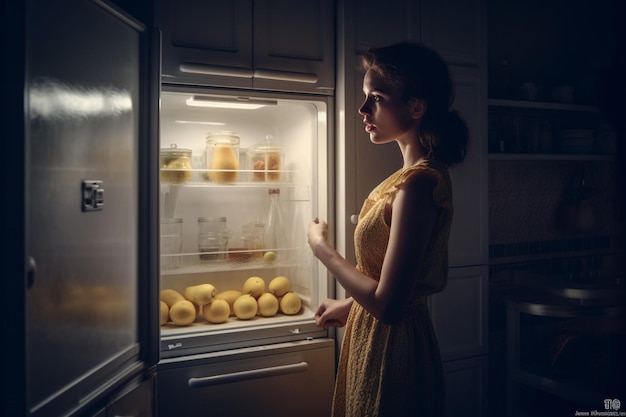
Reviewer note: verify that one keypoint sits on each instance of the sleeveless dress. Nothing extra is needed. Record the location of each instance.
(395, 370)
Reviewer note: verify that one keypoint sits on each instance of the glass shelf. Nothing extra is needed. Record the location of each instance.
(236, 261)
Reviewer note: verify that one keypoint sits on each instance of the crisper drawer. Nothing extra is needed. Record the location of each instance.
(284, 379)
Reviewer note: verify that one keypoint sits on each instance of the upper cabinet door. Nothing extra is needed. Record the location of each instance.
(400, 21)
(265, 44)
(294, 44)
(207, 41)
(455, 29)
(468, 237)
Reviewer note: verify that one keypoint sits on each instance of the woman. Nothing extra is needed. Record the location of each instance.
(390, 363)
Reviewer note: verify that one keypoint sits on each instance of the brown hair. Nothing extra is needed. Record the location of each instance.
(418, 72)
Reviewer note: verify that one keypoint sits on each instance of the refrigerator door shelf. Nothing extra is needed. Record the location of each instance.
(204, 337)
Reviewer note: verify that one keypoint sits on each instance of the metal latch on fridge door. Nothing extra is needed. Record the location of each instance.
(92, 195)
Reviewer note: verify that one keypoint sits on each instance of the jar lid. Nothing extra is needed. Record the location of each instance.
(175, 150)
(223, 136)
(268, 145)
(211, 219)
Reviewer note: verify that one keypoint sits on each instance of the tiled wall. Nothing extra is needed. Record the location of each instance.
(524, 205)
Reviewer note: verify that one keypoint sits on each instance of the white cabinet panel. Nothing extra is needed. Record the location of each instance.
(466, 385)
(400, 21)
(459, 313)
(209, 40)
(455, 29)
(468, 237)
(294, 44)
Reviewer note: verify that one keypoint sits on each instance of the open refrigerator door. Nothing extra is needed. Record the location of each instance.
(241, 177)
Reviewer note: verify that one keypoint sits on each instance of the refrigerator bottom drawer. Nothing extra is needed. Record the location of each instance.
(286, 379)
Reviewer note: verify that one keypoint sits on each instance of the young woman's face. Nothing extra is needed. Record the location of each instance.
(386, 116)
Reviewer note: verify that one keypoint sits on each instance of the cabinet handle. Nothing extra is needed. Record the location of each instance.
(215, 70)
(298, 77)
(209, 381)
(354, 219)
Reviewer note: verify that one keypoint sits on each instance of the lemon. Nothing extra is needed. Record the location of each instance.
(217, 311)
(165, 313)
(290, 303)
(280, 286)
(230, 296)
(269, 256)
(200, 294)
(268, 305)
(183, 313)
(254, 286)
(245, 307)
(170, 297)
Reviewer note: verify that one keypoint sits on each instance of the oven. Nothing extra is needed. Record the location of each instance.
(558, 338)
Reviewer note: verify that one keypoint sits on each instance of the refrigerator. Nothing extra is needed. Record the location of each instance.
(275, 361)
(78, 276)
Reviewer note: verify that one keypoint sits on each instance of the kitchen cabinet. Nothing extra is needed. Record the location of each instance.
(466, 386)
(458, 314)
(455, 29)
(468, 244)
(261, 44)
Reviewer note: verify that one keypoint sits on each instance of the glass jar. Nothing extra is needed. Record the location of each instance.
(212, 238)
(175, 165)
(253, 235)
(222, 157)
(265, 161)
(171, 242)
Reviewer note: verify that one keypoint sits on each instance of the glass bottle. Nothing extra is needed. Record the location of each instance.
(274, 226)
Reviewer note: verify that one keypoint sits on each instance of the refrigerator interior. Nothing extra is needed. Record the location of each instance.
(296, 124)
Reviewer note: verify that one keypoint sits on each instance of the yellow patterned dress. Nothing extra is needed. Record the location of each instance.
(395, 370)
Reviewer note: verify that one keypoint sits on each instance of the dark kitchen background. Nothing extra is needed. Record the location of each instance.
(556, 315)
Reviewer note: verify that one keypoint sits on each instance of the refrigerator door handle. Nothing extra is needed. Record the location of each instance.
(204, 69)
(297, 77)
(210, 381)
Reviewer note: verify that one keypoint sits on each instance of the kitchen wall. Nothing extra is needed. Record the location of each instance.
(526, 200)
(550, 43)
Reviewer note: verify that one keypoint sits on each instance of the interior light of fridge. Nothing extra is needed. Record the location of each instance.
(194, 122)
(229, 103)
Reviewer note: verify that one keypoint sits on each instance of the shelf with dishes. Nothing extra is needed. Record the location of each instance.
(531, 130)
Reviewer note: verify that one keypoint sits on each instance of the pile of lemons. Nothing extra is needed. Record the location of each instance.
(203, 300)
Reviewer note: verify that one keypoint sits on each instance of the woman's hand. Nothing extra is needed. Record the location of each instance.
(333, 313)
(318, 233)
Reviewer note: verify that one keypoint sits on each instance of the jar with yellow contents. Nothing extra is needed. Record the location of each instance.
(175, 165)
(222, 157)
